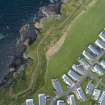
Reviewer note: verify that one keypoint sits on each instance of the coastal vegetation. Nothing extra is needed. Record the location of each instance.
(82, 20)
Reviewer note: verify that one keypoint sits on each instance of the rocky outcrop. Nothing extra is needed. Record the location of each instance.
(50, 10)
(28, 35)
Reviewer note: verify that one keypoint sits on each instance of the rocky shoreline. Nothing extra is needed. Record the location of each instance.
(28, 35)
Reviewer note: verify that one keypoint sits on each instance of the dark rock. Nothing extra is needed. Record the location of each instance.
(28, 32)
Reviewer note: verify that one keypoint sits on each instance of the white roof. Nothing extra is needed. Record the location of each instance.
(96, 94)
(80, 94)
(102, 99)
(95, 50)
(84, 62)
(74, 75)
(98, 69)
(102, 35)
(79, 69)
(67, 80)
(102, 63)
(57, 86)
(89, 56)
(89, 88)
(71, 100)
(100, 44)
(42, 99)
(29, 102)
(60, 102)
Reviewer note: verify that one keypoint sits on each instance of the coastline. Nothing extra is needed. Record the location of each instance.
(28, 35)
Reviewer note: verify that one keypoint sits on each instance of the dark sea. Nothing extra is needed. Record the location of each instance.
(14, 14)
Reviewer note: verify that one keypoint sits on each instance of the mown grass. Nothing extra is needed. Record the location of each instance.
(83, 32)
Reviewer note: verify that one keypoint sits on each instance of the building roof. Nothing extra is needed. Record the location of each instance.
(29, 102)
(95, 50)
(57, 86)
(88, 55)
(79, 69)
(42, 99)
(89, 88)
(71, 100)
(102, 63)
(67, 80)
(100, 43)
(74, 75)
(102, 99)
(80, 94)
(102, 35)
(84, 62)
(60, 102)
(98, 69)
(96, 94)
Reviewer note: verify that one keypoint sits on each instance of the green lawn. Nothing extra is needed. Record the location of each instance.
(83, 32)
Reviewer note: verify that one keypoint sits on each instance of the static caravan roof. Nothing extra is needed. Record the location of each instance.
(89, 88)
(98, 69)
(29, 102)
(79, 69)
(89, 56)
(71, 100)
(67, 80)
(84, 62)
(80, 94)
(60, 102)
(95, 50)
(102, 99)
(42, 99)
(102, 63)
(102, 36)
(96, 94)
(74, 75)
(100, 43)
(57, 86)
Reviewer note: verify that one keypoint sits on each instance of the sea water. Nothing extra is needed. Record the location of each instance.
(14, 14)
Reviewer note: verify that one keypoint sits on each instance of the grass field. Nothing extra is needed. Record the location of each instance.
(83, 32)
(16, 93)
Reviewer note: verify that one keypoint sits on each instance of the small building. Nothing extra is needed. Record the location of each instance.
(80, 94)
(29, 102)
(60, 102)
(71, 100)
(100, 43)
(89, 55)
(98, 69)
(96, 94)
(102, 63)
(96, 50)
(102, 99)
(57, 86)
(79, 69)
(89, 88)
(42, 99)
(84, 62)
(67, 80)
(74, 76)
(102, 35)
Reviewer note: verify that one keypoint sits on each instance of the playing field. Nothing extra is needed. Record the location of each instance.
(83, 32)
